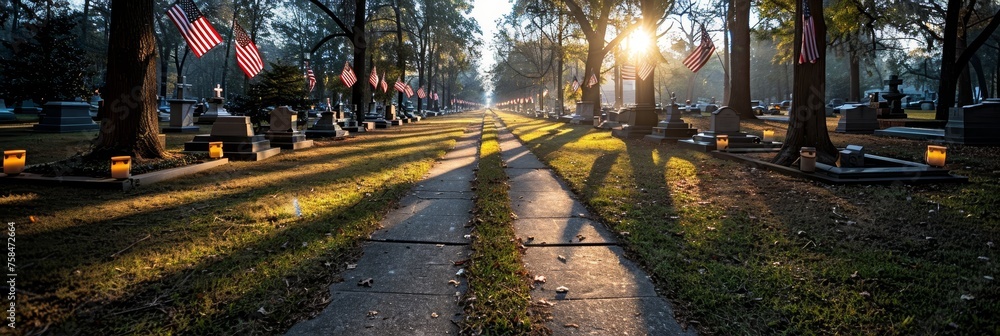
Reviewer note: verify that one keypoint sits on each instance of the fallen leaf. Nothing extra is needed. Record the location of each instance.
(967, 297)
(581, 237)
(454, 282)
(865, 294)
(710, 228)
(371, 314)
(562, 289)
(561, 258)
(571, 325)
(366, 282)
(983, 258)
(461, 262)
(352, 266)
(434, 315)
(545, 303)
(262, 311)
(460, 272)
(540, 278)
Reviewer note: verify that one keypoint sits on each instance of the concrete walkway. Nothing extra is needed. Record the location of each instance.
(608, 294)
(411, 260)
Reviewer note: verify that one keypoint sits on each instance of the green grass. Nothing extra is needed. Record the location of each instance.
(743, 251)
(221, 252)
(498, 299)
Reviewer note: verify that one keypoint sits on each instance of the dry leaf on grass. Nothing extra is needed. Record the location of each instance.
(454, 282)
(540, 278)
(561, 258)
(571, 325)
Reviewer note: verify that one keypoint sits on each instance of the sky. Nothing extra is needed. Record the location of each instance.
(486, 12)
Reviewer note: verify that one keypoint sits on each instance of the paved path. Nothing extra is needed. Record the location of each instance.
(411, 260)
(608, 294)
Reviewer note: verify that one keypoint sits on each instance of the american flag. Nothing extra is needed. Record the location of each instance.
(592, 81)
(702, 53)
(576, 84)
(421, 93)
(409, 91)
(385, 85)
(311, 77)
(628, 72)
(400, 86)
(198, 32)
(347, 75)
(809, 51)
(247, 55)
(646, 69)
(373, 79)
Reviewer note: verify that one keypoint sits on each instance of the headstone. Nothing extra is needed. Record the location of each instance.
(852, 157)
(672, 127)
(284, 132)
(726, 121)
(64, 117)
(831, 108)
(857, 119)
(327, 126)
(894, 99)
(636, 121)
(216, 108)
(974, 124)
(181, 111)
(584, 112)
(238, 140)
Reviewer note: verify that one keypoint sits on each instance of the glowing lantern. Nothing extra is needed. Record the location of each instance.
(215, 149)
(768, 135)
(936, 155)
(13, 161)
(722, 142)
(121, 167)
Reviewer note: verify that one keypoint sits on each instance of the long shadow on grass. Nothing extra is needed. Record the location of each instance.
(96, 257)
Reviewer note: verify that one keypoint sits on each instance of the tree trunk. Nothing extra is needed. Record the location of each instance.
(855, 73)
(595, 57)
(739, 94)
(964, 78)
(984, 88)
(400, 61)
(132, 125)
(358, 95)
(807, 117)
(559, 74)
(727, 54)
(948, 82)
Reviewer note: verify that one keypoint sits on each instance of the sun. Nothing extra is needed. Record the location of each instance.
(639, 42)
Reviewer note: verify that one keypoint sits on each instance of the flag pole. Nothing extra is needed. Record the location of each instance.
(225, 62)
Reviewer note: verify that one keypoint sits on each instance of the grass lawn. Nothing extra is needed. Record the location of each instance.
(498, 299)
(742, 251)
(247, 248)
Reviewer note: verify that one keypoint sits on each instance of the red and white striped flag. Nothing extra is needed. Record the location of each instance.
(385, 85)
(576, 85)
(347, 75)
(646, 69)
(421, 93)
(247, 55)
(592, 81)
(311, 77)
(809, 53)
(373, 79)
(628, 72)
(702, 53)
(198, 32)
(409, 91)
(399, 86)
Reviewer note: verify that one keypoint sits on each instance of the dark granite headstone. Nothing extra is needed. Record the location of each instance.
(238, 140)
(64, 117)
(284, 131)
(857, 119)
(974, 124)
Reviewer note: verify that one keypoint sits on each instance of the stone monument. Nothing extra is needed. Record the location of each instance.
(672, 127)
(181, 111)
(726, 121)
(215, 108)
(65, 117)
(238, 140)
(391, 116)
(974, 124)
(5, 113)
(284, 131)
(584, 113)
(857, 118)
(894, 98)
(327, 126)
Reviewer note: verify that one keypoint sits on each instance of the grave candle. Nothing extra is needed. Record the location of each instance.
(121, 167)
(215, 149)
(807, 159)
(768, 135)
(13, 161)
(722, 142)
(936, 155)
